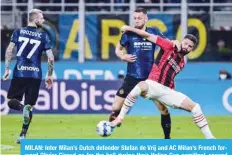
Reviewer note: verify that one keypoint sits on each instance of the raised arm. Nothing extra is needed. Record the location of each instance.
(8, 56)
(162, 42)
(148, 36)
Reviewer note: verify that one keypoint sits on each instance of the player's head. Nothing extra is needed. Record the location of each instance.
(36, 17)
(140, 17)
(188, 43)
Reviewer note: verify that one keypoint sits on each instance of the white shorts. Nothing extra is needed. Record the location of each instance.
(164, 94)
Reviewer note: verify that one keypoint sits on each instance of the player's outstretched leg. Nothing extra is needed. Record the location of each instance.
(27, 117)
(198, 117)
(165, 119)
(130, 100)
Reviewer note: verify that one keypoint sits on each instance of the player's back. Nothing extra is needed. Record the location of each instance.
(30, 43)
(168, 63)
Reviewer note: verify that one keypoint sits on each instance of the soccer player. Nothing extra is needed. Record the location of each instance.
(140, 58)
(30, 42)
(157, 87)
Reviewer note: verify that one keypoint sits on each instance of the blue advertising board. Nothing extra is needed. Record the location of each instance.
(126, 147)
(110, 70)
(97, 96)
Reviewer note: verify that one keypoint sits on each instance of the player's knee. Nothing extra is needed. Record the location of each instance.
(164, 111)
(196, 108)
(143, 86)
(13, 104)
(187, 104)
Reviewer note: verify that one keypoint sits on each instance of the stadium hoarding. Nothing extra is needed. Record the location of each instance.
(103, 33)
(96, 97)
(65, 70)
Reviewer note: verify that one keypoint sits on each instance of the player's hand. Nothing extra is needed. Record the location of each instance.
(6, 75)
(49, 82)
(125, 28)
(177, 44)
(129, 58)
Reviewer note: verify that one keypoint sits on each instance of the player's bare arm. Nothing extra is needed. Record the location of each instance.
(49, 79)
(8, 56)
(124, 57)
(162, 42)
(148, 36)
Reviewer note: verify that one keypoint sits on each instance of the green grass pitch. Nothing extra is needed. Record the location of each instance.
(84, 126)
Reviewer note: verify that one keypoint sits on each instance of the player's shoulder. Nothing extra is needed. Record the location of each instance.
(153, 30)
(127, 33)
(16, 30)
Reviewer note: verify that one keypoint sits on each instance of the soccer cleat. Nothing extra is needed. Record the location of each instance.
(26, 114)
(119, 124)
(18, 140)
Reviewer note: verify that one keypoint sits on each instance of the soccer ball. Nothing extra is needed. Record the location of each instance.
(104, 129)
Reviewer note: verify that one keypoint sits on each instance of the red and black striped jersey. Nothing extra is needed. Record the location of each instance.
(168, 63)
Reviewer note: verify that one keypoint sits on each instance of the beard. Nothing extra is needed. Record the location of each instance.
(184, 51)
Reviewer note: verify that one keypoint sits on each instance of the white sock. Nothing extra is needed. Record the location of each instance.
(200, 120)
(129, 101)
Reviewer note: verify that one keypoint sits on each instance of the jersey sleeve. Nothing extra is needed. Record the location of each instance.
(165, 44)
(14, 36)
(160, 34)
(47, 44)
(124, 39)
(156, 31)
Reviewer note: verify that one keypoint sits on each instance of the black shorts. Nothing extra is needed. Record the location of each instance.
(24, 86)
(128, 84)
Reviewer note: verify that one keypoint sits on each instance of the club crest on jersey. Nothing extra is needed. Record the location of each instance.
(121, 91)
(27, 68)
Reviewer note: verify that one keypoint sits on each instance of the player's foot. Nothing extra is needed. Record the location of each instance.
(26, 114)
(119, 124)
(116, 122)
(167, 137)
(18, 140)
(112, 118)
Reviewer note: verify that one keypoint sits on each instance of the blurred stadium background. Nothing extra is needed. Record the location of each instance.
(84, 35)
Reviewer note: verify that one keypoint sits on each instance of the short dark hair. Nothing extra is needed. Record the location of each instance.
(141, 10)
(192, 38)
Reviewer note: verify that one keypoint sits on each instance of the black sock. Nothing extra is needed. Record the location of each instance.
(25, 127)
(15, 104)
(166, 125)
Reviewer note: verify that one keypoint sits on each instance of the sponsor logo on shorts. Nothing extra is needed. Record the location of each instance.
(27, 68)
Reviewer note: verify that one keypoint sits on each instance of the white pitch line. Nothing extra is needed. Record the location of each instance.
(6, 147)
